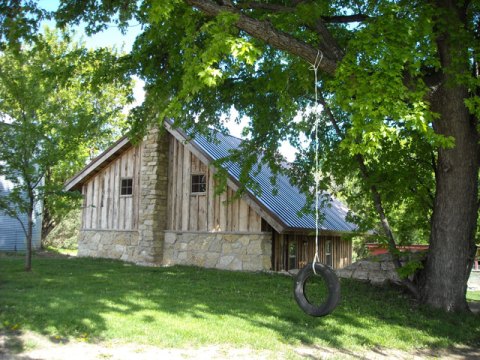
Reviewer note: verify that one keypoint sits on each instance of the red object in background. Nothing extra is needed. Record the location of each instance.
(378, 249)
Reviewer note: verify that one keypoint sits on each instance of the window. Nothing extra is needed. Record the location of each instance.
(292, 255)
(328, 253)
(127, 187)
(199, 183)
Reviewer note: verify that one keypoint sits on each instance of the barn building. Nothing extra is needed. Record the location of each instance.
(155, 203)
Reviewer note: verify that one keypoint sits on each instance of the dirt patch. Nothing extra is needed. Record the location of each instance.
(474, 281)
(31, 346)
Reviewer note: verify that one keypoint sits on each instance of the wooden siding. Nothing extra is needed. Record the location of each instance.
(203, 211)
(284, 245)
(103, 206)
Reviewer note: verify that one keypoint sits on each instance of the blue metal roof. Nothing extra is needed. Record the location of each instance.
(288, 202)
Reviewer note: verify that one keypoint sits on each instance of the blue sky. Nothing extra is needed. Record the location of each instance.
(111, 37)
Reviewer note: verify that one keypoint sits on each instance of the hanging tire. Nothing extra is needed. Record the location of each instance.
(332, 286)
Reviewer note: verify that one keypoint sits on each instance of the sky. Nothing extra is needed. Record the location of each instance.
(112, 37)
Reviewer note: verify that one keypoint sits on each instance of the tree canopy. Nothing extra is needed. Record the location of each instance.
(399, 85)
(58, 101)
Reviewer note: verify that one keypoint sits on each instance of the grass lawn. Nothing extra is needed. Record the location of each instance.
(91, 300)
(473, 295)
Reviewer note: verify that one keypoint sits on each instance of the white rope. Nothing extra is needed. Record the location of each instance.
(318, 61)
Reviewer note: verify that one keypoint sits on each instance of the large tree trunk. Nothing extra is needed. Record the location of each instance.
(452, 240)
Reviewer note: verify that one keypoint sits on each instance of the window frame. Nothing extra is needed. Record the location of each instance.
(329, 253)
(198, 184)
(127, 187)
(292, 256)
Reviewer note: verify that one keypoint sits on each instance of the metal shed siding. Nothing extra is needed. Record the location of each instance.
(12, 236)
(289, 201)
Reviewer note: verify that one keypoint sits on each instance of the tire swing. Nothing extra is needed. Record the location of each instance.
(330, 285)
(329, 289)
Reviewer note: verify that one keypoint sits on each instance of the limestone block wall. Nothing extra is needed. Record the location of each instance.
(108, 244)
(229, 251)
(153, 198)
(378, 270)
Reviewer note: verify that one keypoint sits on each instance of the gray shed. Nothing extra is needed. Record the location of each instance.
(12, 236)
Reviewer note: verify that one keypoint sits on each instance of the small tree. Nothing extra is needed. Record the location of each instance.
(57, 100)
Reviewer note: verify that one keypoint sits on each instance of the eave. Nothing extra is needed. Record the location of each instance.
(98, 164)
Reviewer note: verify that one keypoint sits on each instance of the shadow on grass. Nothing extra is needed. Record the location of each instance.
(11, 342)
(179, 306)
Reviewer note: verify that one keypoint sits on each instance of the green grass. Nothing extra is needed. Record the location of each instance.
(62, 251)
(473, 295)
(91, 300)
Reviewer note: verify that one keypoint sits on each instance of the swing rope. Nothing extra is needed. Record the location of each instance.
(318, 269)
(318, 61)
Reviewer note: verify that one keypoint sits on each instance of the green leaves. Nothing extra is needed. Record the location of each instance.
(59, 103)
(198, 67)
(371, 82)
(19, 20)
(162, 10)
(243, 50)
(210, 76)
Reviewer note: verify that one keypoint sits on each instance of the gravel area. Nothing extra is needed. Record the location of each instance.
(474, 281)
(31, 346)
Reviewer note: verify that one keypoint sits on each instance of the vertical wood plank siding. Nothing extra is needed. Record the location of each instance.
(203, 211)
(104, 207)
(305, 250)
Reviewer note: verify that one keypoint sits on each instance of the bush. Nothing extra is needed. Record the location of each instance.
(65, 234)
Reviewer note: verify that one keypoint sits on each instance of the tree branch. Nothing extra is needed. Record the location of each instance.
(377, 201)
(345, 19)
(276, 8)
(330, 115)
(268, 7)
(263, 30)
(328, 42)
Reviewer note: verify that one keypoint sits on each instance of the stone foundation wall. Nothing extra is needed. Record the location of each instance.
(248, 252)
(121, 245)
(378, 270)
